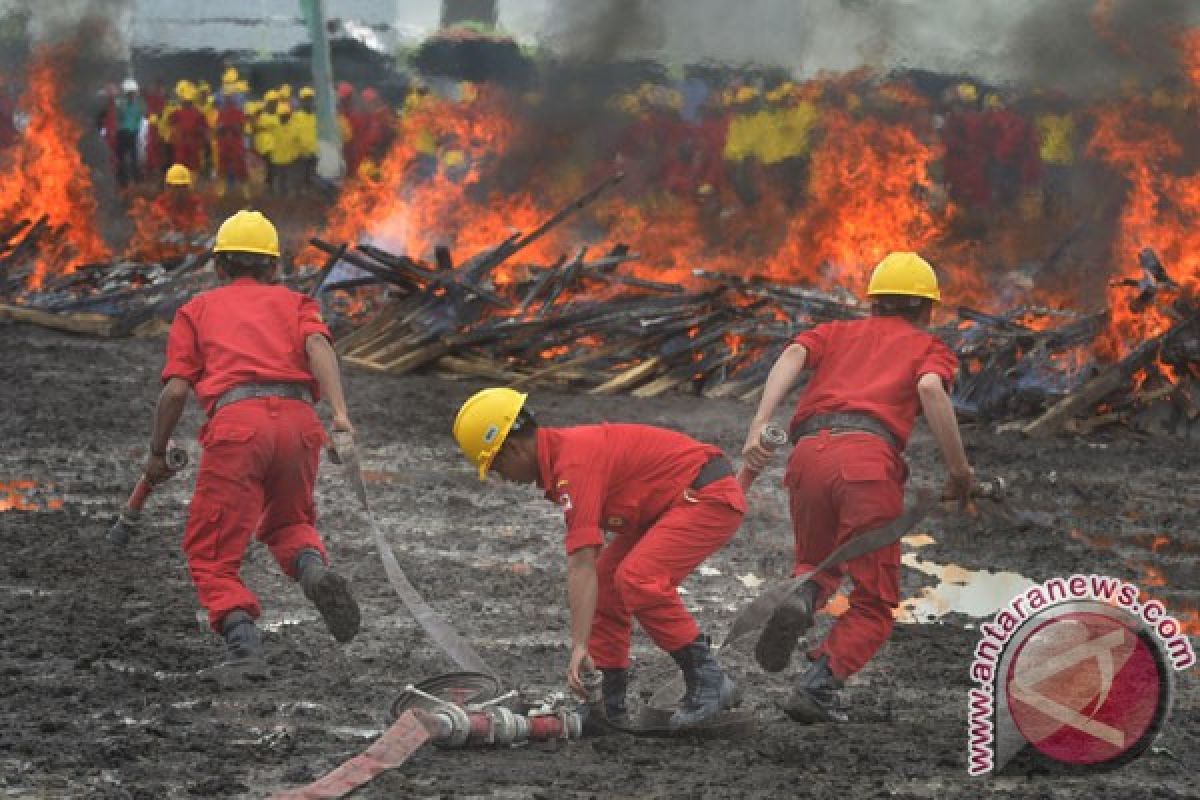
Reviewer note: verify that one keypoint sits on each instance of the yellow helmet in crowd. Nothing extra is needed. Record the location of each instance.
(185, 90)
(307, 92)
(905, 274)
(745, 94)
(253, 107)
(179, 175)
(483, 424)
(230, 76)
(967, 92)
(247, 232)
(285, 91)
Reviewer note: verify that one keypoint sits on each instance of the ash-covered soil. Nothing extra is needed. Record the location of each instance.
(104, 683)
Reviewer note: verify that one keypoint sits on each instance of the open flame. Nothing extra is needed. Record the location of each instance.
(43, 174)
(1161, 206)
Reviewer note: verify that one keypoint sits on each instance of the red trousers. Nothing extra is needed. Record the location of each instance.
(638, 577)
(839, 486)
(256, 479)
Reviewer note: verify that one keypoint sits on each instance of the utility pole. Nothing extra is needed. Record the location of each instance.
(329, 139)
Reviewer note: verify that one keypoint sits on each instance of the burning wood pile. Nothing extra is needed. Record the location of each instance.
(107, 298)
(582, 323)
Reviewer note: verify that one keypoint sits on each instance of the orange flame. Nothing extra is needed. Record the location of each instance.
(44, 174)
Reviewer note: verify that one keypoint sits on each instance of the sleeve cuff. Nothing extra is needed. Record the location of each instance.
(584, 537)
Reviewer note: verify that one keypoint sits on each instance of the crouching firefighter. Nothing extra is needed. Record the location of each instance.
(669, 501)
(846, 475)
(258, 356)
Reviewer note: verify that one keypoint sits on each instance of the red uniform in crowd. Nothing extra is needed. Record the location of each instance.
(632, 481)
(260, 455)
(189, 136)
(843, 484)
(968, 143)
(231, 142)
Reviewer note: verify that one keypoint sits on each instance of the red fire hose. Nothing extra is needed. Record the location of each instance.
(130, 520)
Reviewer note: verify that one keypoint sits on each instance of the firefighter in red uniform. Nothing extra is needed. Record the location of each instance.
(171, 226)
(257, 356)
(189, 130)
(231, 144)
(871, 377)
(670, 501)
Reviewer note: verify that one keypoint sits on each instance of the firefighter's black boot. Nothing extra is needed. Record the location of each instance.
(330, 593)
(709, 689)
(242, 640)
(614, 688)
(815, 697)
(783, 630)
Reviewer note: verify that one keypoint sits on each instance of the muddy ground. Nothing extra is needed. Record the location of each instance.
(103, 688)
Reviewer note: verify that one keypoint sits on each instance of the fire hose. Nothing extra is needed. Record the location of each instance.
(454, 711)
(453, 645)
(129, 521)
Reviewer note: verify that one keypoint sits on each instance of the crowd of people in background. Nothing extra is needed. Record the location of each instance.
(727, 144)
(232, 139)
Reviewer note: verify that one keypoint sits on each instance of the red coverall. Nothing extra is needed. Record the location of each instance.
(189, 136)
(231, 142)
(260, 455)
(632, 480)
(968, 143)
(841, 485)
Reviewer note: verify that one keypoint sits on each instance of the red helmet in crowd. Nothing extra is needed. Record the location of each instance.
(344, 90)
(369, 95)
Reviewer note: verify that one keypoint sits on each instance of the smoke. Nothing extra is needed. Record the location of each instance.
(93, 50)
(606, 30)
(1077, 45)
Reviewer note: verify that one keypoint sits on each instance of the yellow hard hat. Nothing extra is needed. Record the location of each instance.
(183, 87)
(283, 108)
(307, 92)
(967, 92)
(285, 91)
(992, 101)
(271, 96)
(906, 274)
(230, 76)
(253, 107)
(179, 175)
(745, 94)
(247, 232)
(483, 423)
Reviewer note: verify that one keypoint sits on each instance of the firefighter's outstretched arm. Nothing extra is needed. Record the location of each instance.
(782, 378)
(322, 360)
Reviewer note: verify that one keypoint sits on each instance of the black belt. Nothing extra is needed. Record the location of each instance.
(846, 422)
(713, 470)
(248, 391)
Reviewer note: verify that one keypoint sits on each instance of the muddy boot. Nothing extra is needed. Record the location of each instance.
(616, 683)
(330, 593)
(787, 624)
(815, 697)
(709, 689)
(242, 640)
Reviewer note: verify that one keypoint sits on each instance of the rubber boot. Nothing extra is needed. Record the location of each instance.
(709, 690)
(242, 640)
(615, 686)
(330, 593)
(783, 630)
(815, 697)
